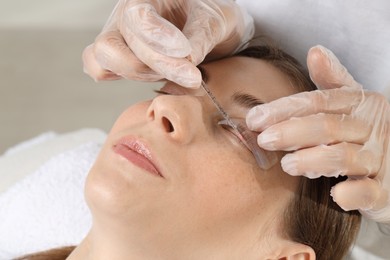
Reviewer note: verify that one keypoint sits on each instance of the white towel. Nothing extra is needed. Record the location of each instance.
(47, 208)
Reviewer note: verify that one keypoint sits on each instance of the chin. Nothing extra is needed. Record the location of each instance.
(123, 193)
(106, 191)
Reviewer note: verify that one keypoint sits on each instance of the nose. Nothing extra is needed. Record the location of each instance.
(180, 118)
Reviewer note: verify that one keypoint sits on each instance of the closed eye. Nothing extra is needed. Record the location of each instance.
(248, 139)
(161, 92)
(233, 131)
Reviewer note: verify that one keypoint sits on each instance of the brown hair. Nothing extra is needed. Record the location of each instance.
(312, 217)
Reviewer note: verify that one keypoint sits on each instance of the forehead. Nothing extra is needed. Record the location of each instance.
(247, 75)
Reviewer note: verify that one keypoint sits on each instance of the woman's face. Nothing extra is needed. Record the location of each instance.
(170, 176)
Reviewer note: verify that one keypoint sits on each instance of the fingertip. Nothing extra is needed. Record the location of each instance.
(326, 70)
(339, 197)
(316, 59)
(255, 118)
(92, 67)
(191, 82)
(105, 75)
(269, 139)
(86, 52)
(290, 164)
(249, 119)
(356, 194)
(196, 57)
(319, 66)
(180, 71)
(87, 56)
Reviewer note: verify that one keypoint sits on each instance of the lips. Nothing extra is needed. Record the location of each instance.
(137, 153)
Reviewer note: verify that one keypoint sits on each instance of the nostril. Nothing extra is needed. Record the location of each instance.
(167, 125)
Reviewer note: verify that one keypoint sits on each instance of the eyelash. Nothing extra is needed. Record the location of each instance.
(161, 92)
(227, 127)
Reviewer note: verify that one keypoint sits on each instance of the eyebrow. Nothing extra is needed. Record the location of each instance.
(243, 99)
(246, 100)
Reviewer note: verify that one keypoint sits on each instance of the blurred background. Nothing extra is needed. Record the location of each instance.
(42, 84)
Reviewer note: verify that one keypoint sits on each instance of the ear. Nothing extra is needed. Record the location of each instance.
(297, 251)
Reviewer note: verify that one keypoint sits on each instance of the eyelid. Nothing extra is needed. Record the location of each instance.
(265, 159)
(224, 122)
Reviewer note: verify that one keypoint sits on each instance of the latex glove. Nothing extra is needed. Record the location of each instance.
(340, 129)
(153, 39)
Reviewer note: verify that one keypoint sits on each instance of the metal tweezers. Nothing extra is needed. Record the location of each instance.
(264, 159)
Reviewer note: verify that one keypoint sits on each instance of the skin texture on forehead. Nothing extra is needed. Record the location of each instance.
(213, 199)
(247, 75)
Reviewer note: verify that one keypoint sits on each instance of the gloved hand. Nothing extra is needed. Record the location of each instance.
(340, 129)
(153, 39)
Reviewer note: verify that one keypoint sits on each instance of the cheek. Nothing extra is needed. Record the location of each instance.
(131, 116)
(222, 184)
(106, 189)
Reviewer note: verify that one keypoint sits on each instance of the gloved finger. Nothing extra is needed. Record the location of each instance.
(178, 70)
(144, 23)
(209, 24)
(326, 71)
(338, 101)
(112, 53)
(300, 132)
(93, 68)
(362, 194)
(332, 161)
